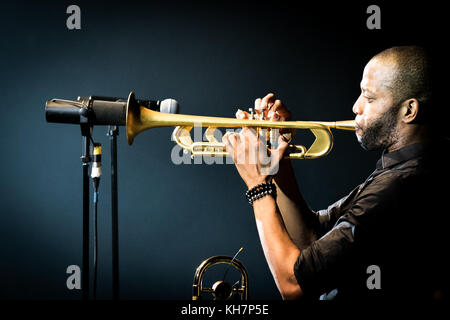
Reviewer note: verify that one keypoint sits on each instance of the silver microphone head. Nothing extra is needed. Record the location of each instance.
(169, 106)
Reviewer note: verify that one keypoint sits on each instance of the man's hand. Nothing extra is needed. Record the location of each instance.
(272, 109)
(254, 162)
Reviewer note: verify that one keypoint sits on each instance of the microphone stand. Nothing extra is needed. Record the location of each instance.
(85, 112)
(86, 131)
(113, 132)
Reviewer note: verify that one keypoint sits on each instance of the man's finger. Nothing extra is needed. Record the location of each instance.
(266, 100)
(227, 141)
(232, 143)
(259, 109)
(278, 111)
(258, 103)
(246, 131)
(238, 148)
(240, 114)
(282, 144)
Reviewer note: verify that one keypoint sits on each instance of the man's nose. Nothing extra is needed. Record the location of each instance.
(358, 106)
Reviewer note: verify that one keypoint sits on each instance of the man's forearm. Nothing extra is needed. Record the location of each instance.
(279, 250)
(300, 220)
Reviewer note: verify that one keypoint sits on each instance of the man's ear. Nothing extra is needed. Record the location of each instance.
(410, 108)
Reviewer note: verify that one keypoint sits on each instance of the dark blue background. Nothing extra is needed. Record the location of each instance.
(212, 57)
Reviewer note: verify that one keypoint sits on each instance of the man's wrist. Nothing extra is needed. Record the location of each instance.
(260, 191)
(254, 183)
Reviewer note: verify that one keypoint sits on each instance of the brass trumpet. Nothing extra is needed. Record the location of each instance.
(139, 118)
(220, 290)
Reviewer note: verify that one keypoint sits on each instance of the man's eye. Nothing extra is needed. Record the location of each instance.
(369, 99)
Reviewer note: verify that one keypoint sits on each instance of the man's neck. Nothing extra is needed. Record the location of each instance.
(410, 135)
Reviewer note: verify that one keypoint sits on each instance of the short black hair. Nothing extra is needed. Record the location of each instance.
(413, 74)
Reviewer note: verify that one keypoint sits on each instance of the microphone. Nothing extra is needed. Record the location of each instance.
(100, 110)
(166, 105)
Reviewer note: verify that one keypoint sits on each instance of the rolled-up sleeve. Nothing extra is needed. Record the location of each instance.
(328, 217)
(332, 259)
(319, 267)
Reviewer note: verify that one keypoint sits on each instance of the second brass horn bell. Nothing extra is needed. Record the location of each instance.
(220, 290)
(139, 118)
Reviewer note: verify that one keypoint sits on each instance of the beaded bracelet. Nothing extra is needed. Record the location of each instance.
(260, 191)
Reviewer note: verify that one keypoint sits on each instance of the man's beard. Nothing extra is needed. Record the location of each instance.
(382, 133)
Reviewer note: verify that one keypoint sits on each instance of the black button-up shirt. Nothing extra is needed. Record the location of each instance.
(392, 225)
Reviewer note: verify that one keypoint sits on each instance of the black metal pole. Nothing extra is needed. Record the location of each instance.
(113, 132)
(85, 159)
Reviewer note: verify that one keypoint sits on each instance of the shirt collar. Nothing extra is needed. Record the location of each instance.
(400, 155)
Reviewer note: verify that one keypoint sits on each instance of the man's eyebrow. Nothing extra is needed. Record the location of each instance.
(366, 90)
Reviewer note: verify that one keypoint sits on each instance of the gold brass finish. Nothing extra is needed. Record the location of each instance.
(220, 290)
(140, 118)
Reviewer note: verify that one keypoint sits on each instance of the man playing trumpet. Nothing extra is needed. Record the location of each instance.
(389, 225)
